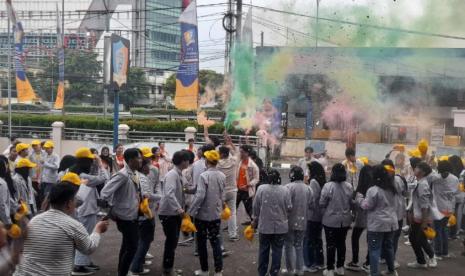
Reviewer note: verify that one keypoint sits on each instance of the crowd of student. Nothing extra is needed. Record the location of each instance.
(55, 211)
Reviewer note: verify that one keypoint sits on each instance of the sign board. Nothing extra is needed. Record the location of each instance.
(116, 60)
(437, 135)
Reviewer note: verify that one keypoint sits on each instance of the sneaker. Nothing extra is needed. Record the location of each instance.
(438, 258)
(339, 270)
(196, 253)
(147, 263)
(225, 253)
(382, 261)
(218, 274)
(82, 270)
(145, 271)
(416, 265)
(201, 273)
(284, 271)
(149, 256)
(432, 262)
(93, 266)
(366, 267)
(408, 243)
(393, 273)
(187, 241)
(328, 272)
(448, 256)
(234, 239)
(396, 265)
(352, 266)
(311, 269)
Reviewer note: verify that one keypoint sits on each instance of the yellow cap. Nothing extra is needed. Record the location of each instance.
(212, 155)
(364, 160)
(35, 143)
(21, 147)
(48, 145)
(423, 146)
(389, 168)
(444, 158)
(146, 152)
(25, 163)
(72, 178)
(414, 153)
(84, 153)
(399, 147)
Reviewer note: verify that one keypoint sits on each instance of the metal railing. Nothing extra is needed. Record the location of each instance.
(32, 132)
(94, 135)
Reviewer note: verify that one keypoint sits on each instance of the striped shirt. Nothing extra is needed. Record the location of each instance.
(49, 247)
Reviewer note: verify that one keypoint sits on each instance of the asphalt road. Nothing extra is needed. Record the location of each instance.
(243, 259)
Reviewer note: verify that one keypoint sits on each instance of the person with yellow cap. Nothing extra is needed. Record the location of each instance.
(206, 208)
(36, 156)
(23, 150)
(50, 164)
(88, 196)
(149, 181)
(23, 184)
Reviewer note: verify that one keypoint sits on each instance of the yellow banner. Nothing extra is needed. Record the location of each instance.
(60, 96)
(186, 97)
(25, 91)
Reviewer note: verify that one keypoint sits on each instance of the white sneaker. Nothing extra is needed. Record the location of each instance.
(218, 274)
(417, 265)
(328, 272)
(438, 258)
(339, 271)
(200, 273)
(396, 265)
(149, 256)
(432, 262)
(284, 271)
(144, 272)
(389, 273)
(148, 263)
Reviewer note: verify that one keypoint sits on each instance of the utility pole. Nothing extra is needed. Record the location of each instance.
(262, 39)
(229, 39)
(9, 79)
(239, 21)
(317, 21)
(105, 69)
(63, 49)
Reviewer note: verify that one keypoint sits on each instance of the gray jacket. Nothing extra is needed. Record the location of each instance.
(5, 202)
(88, 193)
(422, 198)
(208, 203)
(149, 188)
(271, 207)
(24, 191)
(302, 201)
(198, 168)
(228, 167)
(402, 192)
(444, 190)
(381, 210)
(172, 193)
(336, 200)
(122, 191)
(315, 210)
(50, 168)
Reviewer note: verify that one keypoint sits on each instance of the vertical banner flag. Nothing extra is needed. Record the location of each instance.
(187, 77)
(119, 62)
(60, 99)
(25, 93)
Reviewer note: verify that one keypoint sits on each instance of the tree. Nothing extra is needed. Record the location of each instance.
(137, 88)
(207, 77)
(82, 74)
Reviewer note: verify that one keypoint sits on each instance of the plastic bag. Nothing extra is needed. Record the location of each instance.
(249, 233)
(226, 214)
(187, 225)
(15, 231)
(452, 221)
(429, 233)
(144, 208)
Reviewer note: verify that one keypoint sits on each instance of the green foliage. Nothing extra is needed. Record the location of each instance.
(160, 111)
(92, 122)
(138, 88)
(26, 107)
(84, 109)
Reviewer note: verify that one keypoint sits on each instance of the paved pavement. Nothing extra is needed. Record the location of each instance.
(243, 260)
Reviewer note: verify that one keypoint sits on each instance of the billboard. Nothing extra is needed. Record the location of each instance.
(117, 51)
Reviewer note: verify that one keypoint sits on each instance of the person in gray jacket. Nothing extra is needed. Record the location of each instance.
(206, 209)
(123, 192)
(365, 181)
(171, 209)
(271, 208)
(380, 203)
(301, 198)
(313, 242)
(336, 200)
(49, 163)
(420, 217)
(444, 189)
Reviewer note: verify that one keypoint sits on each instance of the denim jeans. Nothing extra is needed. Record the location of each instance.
(171, 227)
(441, 247)
(395, 242)
(89, 223)
(293, 248)
(335, 244)
(130, 231)
(420, 243)
(313, 245)
(209, 230)
(230, 198)
(274, 242)
(146, 236)
(380, 242)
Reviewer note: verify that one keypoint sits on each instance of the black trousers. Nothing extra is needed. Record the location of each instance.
(243, 196)
(171, 227)
(209, 230)
(335, 243)
(355, 239)
(130, 231)
(420, 243)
